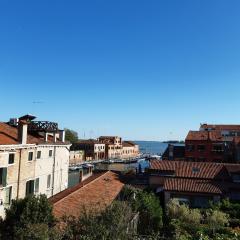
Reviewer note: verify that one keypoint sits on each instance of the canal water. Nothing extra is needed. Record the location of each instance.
(152, 147)
(73, 176)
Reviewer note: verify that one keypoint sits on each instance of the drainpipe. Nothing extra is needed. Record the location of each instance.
(19, 171)
(53, 172)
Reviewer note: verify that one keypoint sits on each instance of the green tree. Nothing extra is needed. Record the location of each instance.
(149, 209)
(216, 220)
(71, 135)
(28, 214)
(183, 213)
(113, 223)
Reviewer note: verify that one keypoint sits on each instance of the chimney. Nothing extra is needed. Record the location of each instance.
(62, 135)
(55, 137)
(22, 131)
(46, 136)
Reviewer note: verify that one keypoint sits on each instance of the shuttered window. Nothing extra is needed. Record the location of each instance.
(30, 156)
(49, 181)
(3, 177)
(11, 158)
(8, 195)
(36, 185)
(30, 187)
(39, 153)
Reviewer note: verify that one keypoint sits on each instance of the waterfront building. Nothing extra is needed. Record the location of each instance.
(76, 157)
(129, 150)
(113, 146)
(93, 149)
(214, 143)
(195, 183)
(34, 159)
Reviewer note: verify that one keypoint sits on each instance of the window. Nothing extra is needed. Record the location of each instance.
(236, 177)
(50, 153)
(3, 177)
(49, 181)
(201, 148)
(195, 170)
(11, 158)
(30, 156)
(217, 148)
(8, 195)
(36, 185)
(30, 187)
(190, 147)
(39, 154)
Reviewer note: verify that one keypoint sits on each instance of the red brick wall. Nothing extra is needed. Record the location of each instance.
(207, 154)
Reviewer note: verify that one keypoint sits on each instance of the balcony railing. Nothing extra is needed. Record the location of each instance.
(43, 126)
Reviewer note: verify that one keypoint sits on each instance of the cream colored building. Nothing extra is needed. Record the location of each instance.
(76, 157)
(34, 159)
(113, 146)
(130, 150)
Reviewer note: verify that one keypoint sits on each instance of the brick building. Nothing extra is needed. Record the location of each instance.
(213, 143)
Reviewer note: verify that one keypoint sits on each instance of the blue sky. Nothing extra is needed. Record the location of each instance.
(146, 70)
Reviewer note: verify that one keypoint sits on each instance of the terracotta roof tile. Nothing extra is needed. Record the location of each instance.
(95, 195)
(204, 170)
(9, 136)
(221, 127)
(197, 135)
(191, 185)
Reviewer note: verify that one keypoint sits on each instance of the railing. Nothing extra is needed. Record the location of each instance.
(43, 126)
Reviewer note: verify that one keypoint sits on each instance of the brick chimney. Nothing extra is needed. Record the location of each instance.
(22, 131)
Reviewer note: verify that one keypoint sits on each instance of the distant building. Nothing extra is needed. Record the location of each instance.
(93, 149)
(113, 146)
(76, 157)
(214, 143)
(175, 152)
(129, 150)
(195, 183)
(34, 159)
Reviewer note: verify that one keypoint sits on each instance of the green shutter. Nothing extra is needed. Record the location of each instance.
(27, 188)
(36, 185)
(4, 177)
(31, 187)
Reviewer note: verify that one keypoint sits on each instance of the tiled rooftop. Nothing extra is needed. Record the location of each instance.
(202, 170)
(191, 185)
(9, 136)
(94, 194)
(227, 127)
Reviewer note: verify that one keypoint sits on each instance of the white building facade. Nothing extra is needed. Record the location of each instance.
(31, 164)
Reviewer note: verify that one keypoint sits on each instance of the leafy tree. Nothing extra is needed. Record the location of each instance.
(149, 209)
(230, 208)
(113, 223)
(183, 213)
(216, 220)
(71, 135)
(31, 215)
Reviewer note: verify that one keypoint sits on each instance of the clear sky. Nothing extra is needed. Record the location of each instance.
(146, 70)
